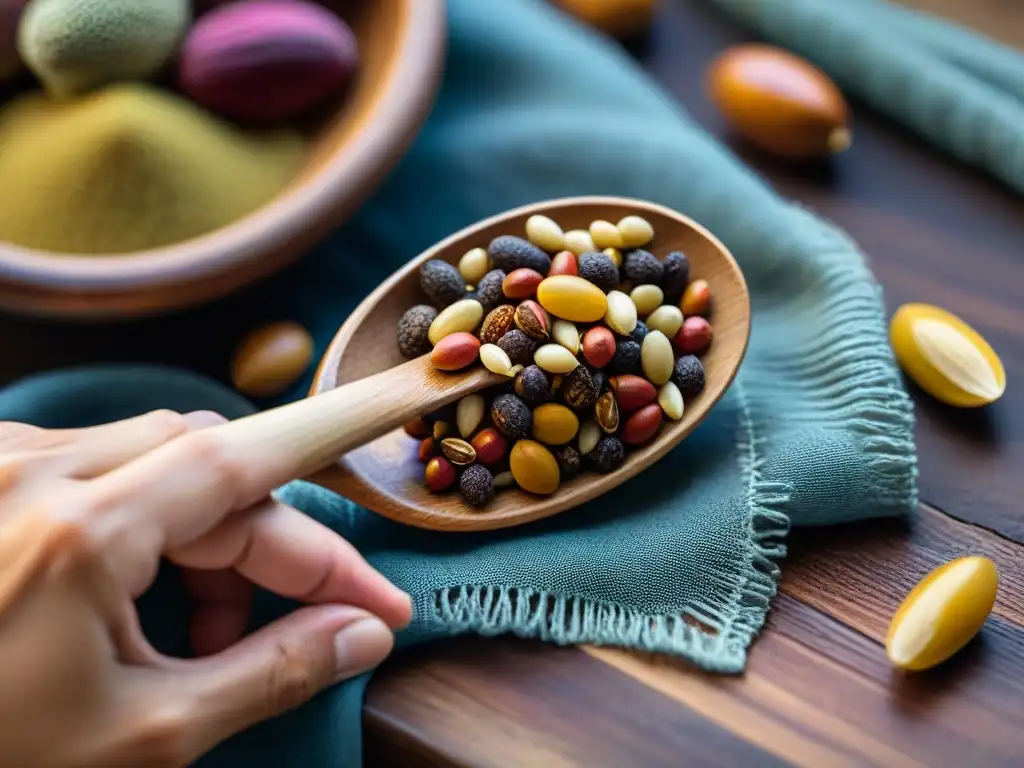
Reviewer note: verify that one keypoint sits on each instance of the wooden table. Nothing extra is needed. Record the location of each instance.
(818, 691)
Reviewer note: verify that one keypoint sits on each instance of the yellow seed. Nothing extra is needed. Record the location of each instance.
(474, 265)
(646, 298)
(495, 359)
(605, 234)
(534, 468)
(590, 435)
(667, 318)
(565, 333)
(579, 241)
(554, 358)
(946, 357)
(635, 231)
(464, 315)
(615, 255)
(554, 424)
(671, 401)
(514, 371)
(621, 313)
(942, 613)
(572, 298)
(544, 233)
(656, 358)
(469, 413)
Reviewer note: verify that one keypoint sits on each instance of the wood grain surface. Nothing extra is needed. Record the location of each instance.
(818, 691)
(386, 475)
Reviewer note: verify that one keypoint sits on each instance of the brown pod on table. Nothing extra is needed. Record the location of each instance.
(779, 102)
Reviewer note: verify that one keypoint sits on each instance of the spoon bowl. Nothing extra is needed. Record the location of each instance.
(385, 474)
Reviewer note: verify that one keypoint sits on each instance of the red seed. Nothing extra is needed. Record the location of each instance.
(598, 346)
(632, 392)
(521, 283)
(417, 428)
(455, 351)
(490, 446)
(564, 263)
(427, 449)
(440, 474)
(642, 425)
(694, 336)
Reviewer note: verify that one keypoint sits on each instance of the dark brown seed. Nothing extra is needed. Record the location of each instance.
(477, 485)
(508, 252)
(533, 385)
(532, 320)
(498, 322)
(412, 330)
(675, 276)
(488, 292)
(579, 390)
(626, 358)
(642, 267)
(599, 270)
(569, 462)
(511, 416)
(608, 455)
(442, 283)
(688, 375)
(518, 346)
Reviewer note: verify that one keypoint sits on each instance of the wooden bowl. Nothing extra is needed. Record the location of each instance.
(386, 475)
(358, 141)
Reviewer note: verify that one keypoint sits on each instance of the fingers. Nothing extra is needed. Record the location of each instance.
(99, 450)
(222, 607)
(270, 672)
(289, 553)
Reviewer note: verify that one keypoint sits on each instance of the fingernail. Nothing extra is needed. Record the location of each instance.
(361, 646)
(203, 419)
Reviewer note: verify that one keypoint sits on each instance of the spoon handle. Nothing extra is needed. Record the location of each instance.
(313, 433)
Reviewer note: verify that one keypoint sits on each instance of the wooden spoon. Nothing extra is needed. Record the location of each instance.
(364, 390)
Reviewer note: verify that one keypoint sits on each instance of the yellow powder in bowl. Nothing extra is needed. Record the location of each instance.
(129, 168)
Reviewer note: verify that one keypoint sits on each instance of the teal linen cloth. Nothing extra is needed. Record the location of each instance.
(816, 430)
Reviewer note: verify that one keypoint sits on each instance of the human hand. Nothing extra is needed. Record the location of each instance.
(86, 516)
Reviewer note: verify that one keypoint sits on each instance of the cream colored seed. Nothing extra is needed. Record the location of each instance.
(554, 358)
(504, 480)
(635, 231)
(605, 234)
(590, 434)
(464, 315)
(646, 299)
(615, 255)
(474, 265)
(544, 233)
(667, 318)
(469, 413)
(671, 401)
(656, 358)
(621, 313)
(514, 371)
(565, 333)
(579, 242)
(495, 359)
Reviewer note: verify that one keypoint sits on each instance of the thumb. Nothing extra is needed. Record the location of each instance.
(277, 669)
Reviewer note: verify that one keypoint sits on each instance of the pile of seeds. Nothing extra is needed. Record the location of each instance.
(600, 342)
